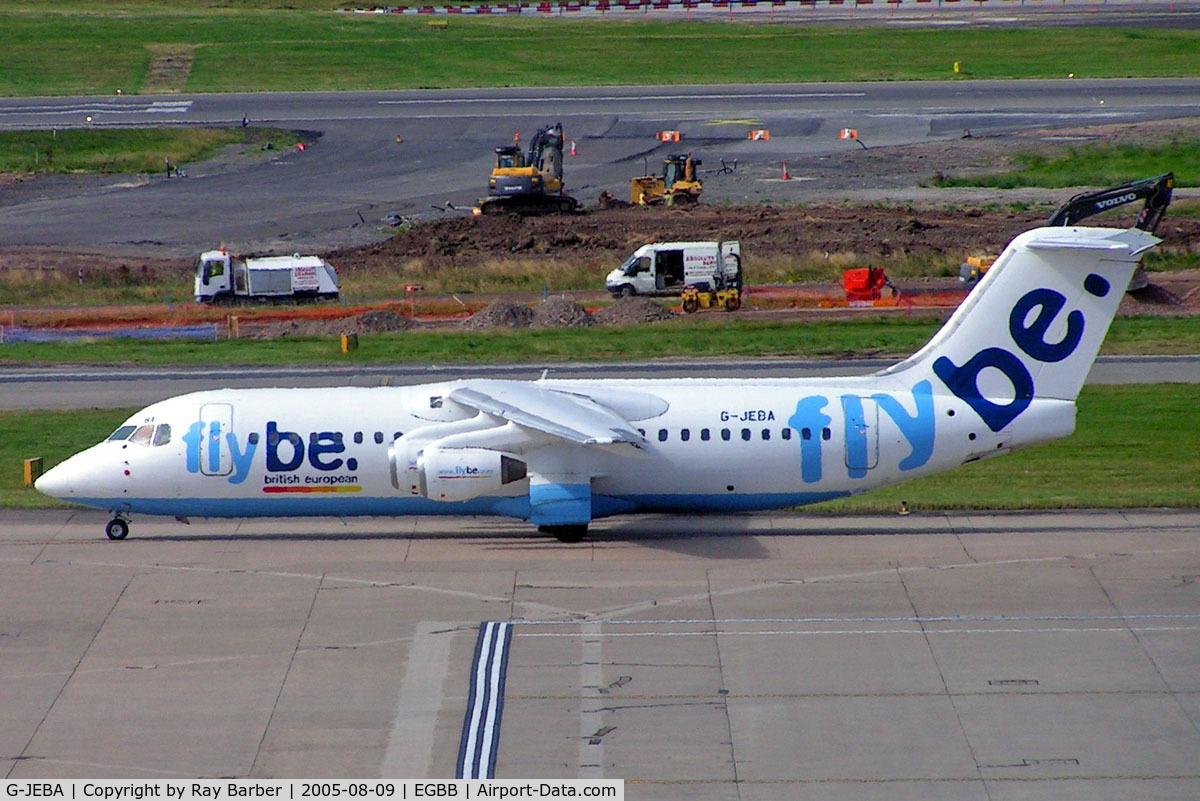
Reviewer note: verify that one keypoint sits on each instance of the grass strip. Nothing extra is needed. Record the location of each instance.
(125, 150)
(1092, 165)
(1133, 446)
(714, 335)
(96, 48)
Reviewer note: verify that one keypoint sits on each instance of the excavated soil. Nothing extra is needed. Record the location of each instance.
(611, 235)
(499, 314)
(633, 311)
(561, 313)
(370, 322)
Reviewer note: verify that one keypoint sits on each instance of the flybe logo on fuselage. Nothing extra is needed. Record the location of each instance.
(214, 451)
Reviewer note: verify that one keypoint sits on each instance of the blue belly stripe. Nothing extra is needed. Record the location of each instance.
(345, 505)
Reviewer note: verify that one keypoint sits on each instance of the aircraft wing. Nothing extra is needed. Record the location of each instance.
(570, 416)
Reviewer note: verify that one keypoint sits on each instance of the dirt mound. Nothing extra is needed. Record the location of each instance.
(371, 322)
(633, 311)
(1192, 299)
(499, 314)
(561, 313)
(381, 320)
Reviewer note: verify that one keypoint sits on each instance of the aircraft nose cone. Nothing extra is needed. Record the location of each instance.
(54, 482)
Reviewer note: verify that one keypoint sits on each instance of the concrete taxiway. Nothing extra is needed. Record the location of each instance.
(780, 656)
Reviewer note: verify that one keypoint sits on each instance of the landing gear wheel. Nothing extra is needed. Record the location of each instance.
(117, 529)
(568, 534)
(690, 305)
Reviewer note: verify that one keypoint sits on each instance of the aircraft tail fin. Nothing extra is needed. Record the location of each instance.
(1033, 325)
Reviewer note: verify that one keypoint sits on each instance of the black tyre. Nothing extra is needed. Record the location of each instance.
(627, 291)
(567, 534)
(117, 529)
(690, 305)
(733, 303)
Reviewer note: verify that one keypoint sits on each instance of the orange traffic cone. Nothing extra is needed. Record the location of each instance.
(573, 153)
(786, 175)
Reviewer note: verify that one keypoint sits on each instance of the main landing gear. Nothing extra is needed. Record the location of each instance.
(569, 534)
(117, 528)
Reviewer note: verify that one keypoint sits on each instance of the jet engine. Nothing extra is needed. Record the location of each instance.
(459, 474)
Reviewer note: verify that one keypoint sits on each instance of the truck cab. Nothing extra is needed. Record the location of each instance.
(665, 268)
(214, 276)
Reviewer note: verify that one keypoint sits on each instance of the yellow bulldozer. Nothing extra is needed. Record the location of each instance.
(678, 185)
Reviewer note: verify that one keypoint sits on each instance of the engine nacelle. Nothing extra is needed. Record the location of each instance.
(459, 474)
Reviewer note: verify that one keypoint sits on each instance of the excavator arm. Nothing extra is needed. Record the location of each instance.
(1156, 192)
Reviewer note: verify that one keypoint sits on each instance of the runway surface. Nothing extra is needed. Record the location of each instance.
(337, 191)
(781, 656)
(72, 387)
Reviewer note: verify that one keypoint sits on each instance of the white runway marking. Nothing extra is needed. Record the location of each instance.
(481, 725)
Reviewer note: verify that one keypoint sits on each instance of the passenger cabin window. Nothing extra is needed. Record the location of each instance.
(662, 435)
(725, 434)
(746, 434)
(378, 437)
(806, 433)
(705, 435)
(766, 433)
(826, 433)
(786, 433)
(121, 434)
(162, 435)
(143, 435)
(685, 435)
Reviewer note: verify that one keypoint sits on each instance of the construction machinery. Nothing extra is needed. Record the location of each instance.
(679, 183)
(1155, 192)
(707, 296)
(530, 182)
(864, 285)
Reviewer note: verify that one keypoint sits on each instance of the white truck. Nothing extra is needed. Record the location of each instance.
(221, 279)
(665, 268)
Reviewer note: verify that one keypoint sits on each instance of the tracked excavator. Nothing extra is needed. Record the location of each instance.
(1156, 192)
(532, 182)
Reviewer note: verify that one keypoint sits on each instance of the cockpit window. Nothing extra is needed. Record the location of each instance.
(122, 433)
(143, 435)
(162, 435)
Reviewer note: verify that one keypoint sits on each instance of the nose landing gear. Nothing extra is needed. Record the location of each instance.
(117, 528)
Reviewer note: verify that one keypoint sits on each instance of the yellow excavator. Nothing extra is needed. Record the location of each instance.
(531, 182)
(678, 185)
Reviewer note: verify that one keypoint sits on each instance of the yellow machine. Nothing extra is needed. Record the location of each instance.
(529, 183)
(974, 268)
(679, 183)
(696, 298)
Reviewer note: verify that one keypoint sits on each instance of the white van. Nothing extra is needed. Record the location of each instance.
(665, 268)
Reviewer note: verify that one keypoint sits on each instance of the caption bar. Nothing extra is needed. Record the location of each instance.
(372, 790)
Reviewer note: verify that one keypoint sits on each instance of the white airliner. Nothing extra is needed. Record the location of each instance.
(1002, 374)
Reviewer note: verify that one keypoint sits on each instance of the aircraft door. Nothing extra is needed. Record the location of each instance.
(862, 434)
(216, 421)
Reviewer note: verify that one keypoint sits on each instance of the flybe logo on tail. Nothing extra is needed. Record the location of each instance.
(207, 447)
(1030, 337)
